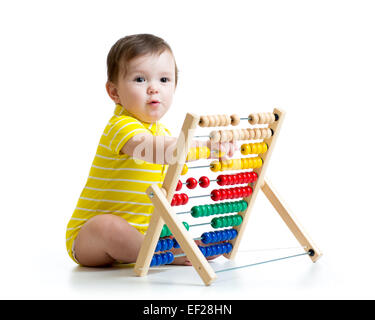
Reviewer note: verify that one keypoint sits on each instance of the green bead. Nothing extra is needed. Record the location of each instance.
(226, 208)
(244, 205)
(165, 232)
(215, 209)
(196, 212)
(229, 221)
(238, 220)
(186, 225)
(216, 223)
(204, 211)
(209, 210)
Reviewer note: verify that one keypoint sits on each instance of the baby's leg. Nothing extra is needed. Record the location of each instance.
(106, 239)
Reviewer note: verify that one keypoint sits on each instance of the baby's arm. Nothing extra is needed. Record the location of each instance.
(159, 149)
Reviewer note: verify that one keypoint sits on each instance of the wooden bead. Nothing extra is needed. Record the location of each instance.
(211, 121)
(228, 120)
(258, 133)
(224, 136)
(230, 135)
(236, 135)
(215, 136)
(271, 118)
(262, 118)
(264, 133)
(251, 134)
(203, 121)
(235, 119)
(253, 118)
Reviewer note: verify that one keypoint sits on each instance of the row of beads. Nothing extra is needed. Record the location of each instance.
(226, 221)
(238, 178)
(220, 235)
(198, 153)
(240, 134)
(216, 249)
(168, 257)
(165, 232)
(231, 193)
(222, 180)
(219, 120)
(165, 244)
(219, 208)
(207, 237)
(191, 183)
(254, 148)
(236, 164)
(262, 118)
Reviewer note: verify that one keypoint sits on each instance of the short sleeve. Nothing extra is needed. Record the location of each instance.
(120, 130)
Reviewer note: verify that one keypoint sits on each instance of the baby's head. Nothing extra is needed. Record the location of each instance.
(142, 76)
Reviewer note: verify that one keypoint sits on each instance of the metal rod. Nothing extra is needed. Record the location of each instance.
(202, 196)
(263, 262)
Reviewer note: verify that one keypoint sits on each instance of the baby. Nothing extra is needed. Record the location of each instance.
(113, 211)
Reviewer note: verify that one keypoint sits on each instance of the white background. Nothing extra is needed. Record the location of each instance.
(314, 59)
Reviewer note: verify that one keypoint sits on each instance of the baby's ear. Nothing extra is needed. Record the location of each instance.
(112, 91)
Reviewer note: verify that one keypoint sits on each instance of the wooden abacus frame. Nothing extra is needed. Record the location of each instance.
(163, 212)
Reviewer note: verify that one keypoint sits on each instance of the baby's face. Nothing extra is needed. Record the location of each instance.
(147, 89)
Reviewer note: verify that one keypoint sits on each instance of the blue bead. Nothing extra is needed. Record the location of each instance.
(153, 261)
(229, 247)
(218, 249)
(205, 237)
(170, 257)
(234, 233)
(213, 236)
(208, 251)
(164, 258)
(219, 236)
(175, 243)
(169, 244)
(158, 246)
(203, 250)
(158, 259)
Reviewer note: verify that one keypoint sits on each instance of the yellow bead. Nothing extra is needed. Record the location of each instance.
(206, 152)
(264, 147)
(215, 166)
(191, 155)
(250, 163)
(184, 170)
(224, 165)
(245, 149)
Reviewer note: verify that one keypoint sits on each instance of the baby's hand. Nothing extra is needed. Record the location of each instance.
(223, 150)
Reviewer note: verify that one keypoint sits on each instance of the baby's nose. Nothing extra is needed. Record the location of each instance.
(152, 89)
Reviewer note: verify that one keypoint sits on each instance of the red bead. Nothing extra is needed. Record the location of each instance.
(178, 199)
(250, 190)
(216, 195)
(254, 176)
(240, 178)
(204, 182)
(173, 203)
(235, 193)
(222, 180)
(223, 194)
(244, 192)
(235, 179)
(179, 185)
(230, 179)
(239, 192)
(229, 193)
(185, 198)
(191, 183)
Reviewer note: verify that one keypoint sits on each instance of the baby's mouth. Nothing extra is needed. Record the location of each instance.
(154, 102)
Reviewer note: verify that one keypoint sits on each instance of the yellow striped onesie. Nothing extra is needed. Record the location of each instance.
(117, 183)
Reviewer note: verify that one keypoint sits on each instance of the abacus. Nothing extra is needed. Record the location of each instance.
(264, 129)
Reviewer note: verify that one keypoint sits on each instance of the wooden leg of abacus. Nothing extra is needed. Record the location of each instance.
(189, 247)
(147, 250)
(292, 223)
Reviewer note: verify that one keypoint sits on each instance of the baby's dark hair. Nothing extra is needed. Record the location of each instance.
(130, 47)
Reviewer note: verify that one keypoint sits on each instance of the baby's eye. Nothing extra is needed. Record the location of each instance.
(139, 79)
(164, 79)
